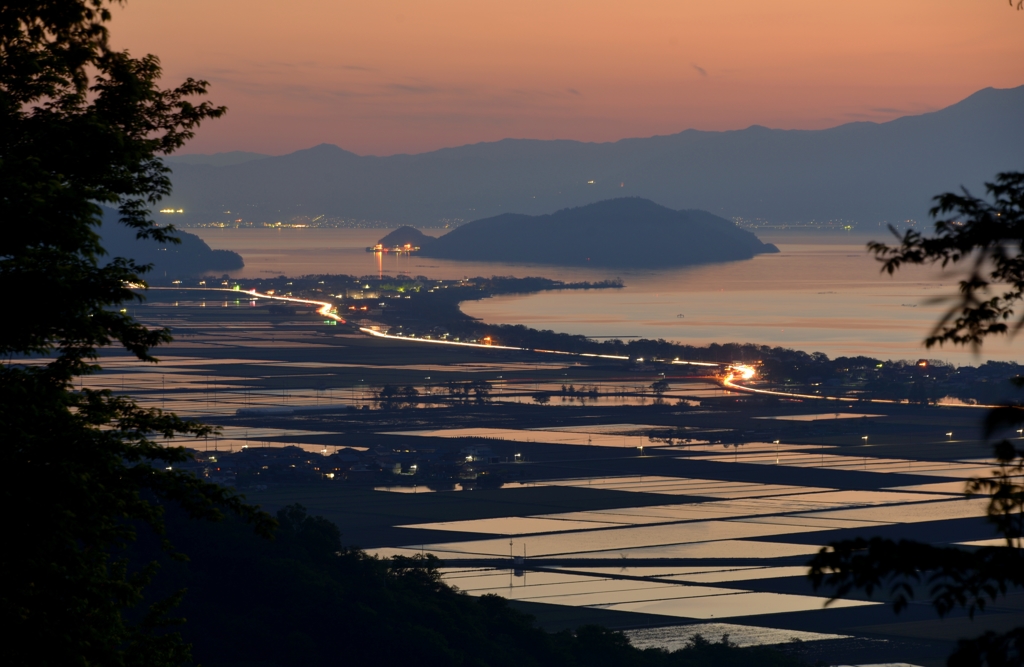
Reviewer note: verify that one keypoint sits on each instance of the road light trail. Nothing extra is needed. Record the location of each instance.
(326, 309)
(745, 372)
(489, 346)
(748, 372)
(733, 372)
(379, 334)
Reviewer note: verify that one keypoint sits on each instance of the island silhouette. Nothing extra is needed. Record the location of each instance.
(402, 238)
(628, 232)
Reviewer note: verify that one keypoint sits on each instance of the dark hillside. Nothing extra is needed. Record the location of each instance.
(303, 599)
(191, 257)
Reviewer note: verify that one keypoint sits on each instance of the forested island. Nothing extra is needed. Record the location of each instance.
(629, 232)
(403, 238)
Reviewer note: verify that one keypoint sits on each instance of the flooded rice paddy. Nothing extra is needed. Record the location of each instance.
(203, 387)
(822, 459)
(820, 416)
(688, 515)
(675, 637)
(622, 441)
(646, 596)
(723, 545)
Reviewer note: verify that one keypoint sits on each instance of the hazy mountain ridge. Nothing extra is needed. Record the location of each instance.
(215, 159)
(866, 172)
(628, 232)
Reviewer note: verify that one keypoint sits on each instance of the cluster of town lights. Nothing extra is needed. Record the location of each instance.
(738, 372)
(745, 372)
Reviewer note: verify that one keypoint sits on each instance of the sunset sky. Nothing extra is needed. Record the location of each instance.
(408, 76)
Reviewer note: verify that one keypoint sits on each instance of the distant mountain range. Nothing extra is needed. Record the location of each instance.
(863, 172)
(216, 159)
(628, 232)
(191, 257)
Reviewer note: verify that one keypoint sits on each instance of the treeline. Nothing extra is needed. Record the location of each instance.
(394, 397)
(513, 285)
(518, 335)
(304, 599)
(921, 380)
(909, 379)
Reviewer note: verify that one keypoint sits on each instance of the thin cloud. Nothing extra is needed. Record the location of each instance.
(414, 90)
(887, 110)
(573, 91)
(265, 89)
(700, 70)
(533, 93)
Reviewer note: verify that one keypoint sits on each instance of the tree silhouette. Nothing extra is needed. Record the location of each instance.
(989, 235)
(82, 124)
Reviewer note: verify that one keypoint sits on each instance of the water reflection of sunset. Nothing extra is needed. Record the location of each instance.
(819, 294)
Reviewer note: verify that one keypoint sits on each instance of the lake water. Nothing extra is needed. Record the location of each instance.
(820, 293)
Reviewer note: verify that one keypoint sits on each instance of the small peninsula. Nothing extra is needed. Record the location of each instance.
(628, 232)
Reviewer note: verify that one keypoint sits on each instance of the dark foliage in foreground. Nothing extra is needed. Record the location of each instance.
(83, 124)
(989, 236)
(303, 599)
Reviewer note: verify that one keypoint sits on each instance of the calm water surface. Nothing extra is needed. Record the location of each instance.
(818, 294)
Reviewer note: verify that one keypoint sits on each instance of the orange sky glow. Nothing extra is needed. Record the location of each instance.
(408, 76)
